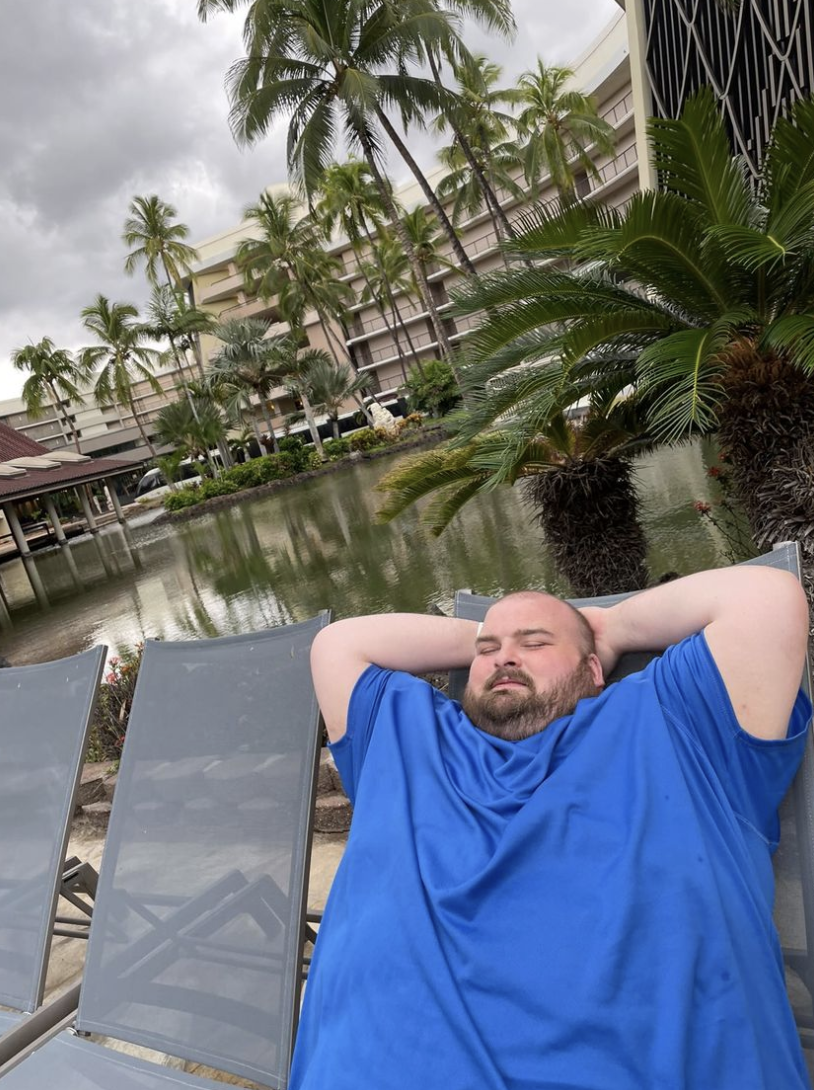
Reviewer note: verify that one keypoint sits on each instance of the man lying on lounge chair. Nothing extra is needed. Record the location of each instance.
(560, 885)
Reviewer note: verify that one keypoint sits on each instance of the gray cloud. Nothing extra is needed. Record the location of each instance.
(104, 99)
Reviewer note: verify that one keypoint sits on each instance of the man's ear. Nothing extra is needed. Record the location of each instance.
(596, 671)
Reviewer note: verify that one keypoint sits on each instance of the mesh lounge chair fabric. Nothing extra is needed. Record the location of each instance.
(45, 712)
(197, 932)
(794, 859)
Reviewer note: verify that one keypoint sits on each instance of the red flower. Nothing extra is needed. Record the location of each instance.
(714, 471)
(701, 507)
(110, 678)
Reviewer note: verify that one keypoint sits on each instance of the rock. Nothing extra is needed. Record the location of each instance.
(333, 814)
(92, 790)
(329, 780)
(96, 815)
(383, 418)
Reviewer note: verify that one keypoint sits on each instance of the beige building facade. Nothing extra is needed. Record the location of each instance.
(368, 339)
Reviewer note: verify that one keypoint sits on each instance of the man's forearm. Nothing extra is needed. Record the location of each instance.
(657, 618)
(411, 642)
(395, 641)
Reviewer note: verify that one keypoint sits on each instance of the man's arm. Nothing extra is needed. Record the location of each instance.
(756, 625)
(395, 641)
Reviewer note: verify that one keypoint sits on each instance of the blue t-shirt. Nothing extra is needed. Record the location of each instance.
(587, 909)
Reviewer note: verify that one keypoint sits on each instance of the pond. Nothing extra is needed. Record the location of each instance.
(282, 558)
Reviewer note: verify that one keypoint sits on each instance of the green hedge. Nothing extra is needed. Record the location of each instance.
(336, 449)
(294, 458)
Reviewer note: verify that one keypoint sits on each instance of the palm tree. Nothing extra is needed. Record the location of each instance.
(708, 285)
(357, 55)
(247, 364)
(322, 66)
(54, 375)
(294, 367)
(496, 17)
(577, 474)
(121, 358)
(387, 272)
(172, 317)
(349, 200)
(194, 432)
(483, 157)
(330, 387)
(157, 241)
(426, 244)
(559, 126)
(288, 262)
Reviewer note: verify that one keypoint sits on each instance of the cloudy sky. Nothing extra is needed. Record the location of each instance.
(105, 99)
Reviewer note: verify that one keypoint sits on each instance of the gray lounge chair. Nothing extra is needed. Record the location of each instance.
(199, 919)
(45, 714)
(794, 859)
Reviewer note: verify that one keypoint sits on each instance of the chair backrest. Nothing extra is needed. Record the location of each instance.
(200, 909)
(45, 714)
(794, 859)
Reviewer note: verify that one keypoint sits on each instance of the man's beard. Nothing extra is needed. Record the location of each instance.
(515, 714)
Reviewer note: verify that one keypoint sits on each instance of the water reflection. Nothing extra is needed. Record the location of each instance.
(283, 558)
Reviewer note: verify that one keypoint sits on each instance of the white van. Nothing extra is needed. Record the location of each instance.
(154, 483)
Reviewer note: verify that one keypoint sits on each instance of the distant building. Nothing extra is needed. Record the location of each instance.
(217, 285)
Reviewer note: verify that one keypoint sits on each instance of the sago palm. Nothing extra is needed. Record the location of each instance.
(708, 284)
(576, 472)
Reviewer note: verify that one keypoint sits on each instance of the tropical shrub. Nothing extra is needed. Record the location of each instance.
(435, 391)
(109, 724)
(336, 448)
(297, 458)
(368, 438)
(410, 422)
(184, 497)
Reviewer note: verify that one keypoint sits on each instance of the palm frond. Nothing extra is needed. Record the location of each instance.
(694, 159)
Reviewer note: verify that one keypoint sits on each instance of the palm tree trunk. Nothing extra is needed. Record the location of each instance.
(429, 193)
(498, 216)
(177, 357)
(331, 339)
(588, 511)
(397, 318)
(415, 264)
(193, 339)
(63, 419)
(390, 329)
(311, 421)
(132, 407)
(254, 425)
(366, 413)
(767, 436)
(267, 417)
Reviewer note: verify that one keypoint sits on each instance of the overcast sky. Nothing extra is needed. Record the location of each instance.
(101, 100)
